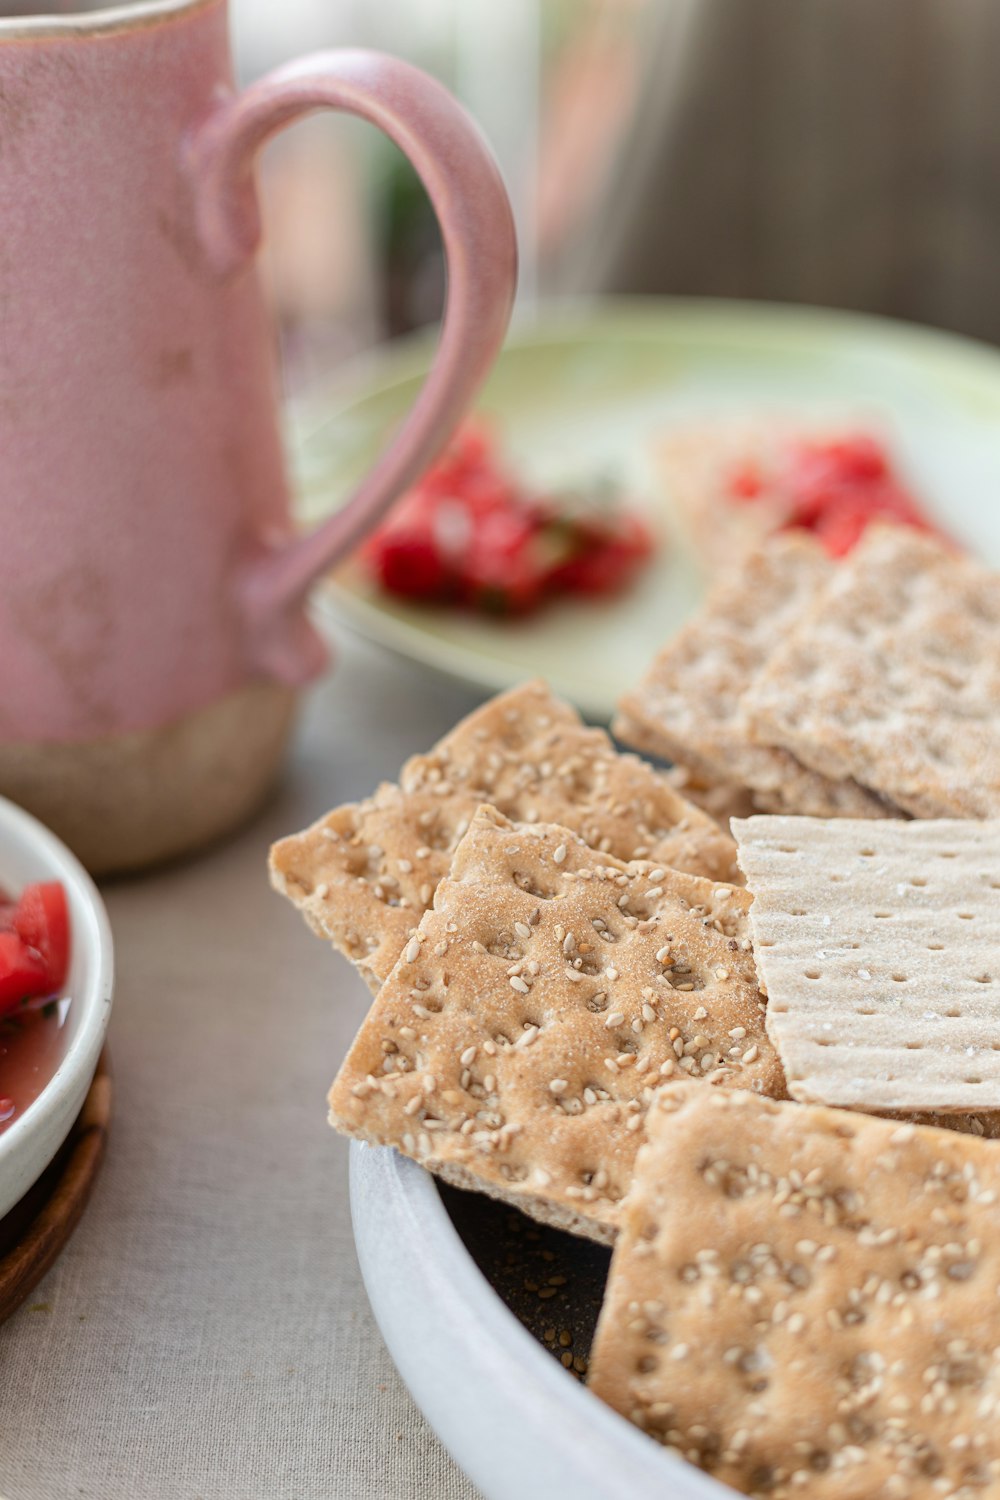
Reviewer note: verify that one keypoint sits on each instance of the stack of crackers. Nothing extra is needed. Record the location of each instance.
(592, 1002)
(866, 688)
(551, 931)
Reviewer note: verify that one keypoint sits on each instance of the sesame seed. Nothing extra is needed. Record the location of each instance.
(517, 983)
(560, 854)
(412, 951)
(558, 1086)
(522, 929)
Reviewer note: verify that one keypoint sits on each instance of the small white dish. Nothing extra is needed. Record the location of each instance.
(29, 853)
(510, 1416)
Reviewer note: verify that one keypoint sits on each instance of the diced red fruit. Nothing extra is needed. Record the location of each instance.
(34, 945)
(606, 568)
(840, 529)
(502, 570)
(23, 974)
(408, 564)
(746, 482)
(836, 489)
(41, 921)
(469, 533)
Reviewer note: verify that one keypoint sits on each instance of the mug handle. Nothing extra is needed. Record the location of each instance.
(468, 196)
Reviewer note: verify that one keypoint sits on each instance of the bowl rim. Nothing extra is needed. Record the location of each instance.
(394, 1203)
(95, 938)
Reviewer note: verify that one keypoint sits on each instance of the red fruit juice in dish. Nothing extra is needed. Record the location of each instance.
(31, 1048)
(34, 959)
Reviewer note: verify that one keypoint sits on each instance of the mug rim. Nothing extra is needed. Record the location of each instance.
(122, 17)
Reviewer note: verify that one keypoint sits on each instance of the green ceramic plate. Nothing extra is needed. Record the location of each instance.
(586, 390)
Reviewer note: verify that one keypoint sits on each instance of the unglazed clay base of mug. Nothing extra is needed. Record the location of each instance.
(133, 799)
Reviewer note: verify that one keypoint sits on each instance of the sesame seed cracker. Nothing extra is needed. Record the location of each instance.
(806, 1301)
(553, 1125)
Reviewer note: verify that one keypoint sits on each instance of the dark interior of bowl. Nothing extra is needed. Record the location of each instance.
(552, 1282)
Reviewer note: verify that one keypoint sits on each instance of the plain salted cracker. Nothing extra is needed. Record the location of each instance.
(893, 677)
(517, 1043)
(878, 945)
(806, 1302)
(364, 874)
(687, 708)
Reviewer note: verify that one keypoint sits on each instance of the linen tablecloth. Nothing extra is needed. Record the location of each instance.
(206, 1334)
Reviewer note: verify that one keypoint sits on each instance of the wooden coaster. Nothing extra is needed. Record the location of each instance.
(35, 1231)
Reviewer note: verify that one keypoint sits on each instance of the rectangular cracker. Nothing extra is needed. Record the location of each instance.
(363, 875)
(878, 945)
(517, 1043)
(893, 677)
(687, 708)
(806, 1302)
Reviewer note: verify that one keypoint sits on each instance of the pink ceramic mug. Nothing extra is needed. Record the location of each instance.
(152, 631)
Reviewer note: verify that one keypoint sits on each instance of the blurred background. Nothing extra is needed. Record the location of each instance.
(839, 152)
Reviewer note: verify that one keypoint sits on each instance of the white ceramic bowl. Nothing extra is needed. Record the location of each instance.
(29, 852)
(516, 1422)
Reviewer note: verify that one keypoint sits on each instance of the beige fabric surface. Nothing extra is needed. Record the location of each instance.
(206, 1335)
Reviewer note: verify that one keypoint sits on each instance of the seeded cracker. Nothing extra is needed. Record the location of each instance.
(688, 709)
(806, 1302)
(363, 875)
(893, 677)
(517, 1043)
(879, 947)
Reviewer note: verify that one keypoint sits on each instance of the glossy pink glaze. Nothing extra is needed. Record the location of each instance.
(145, 562)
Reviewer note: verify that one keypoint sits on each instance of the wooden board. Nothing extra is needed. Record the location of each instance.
(33, 1234)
